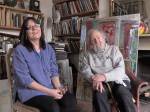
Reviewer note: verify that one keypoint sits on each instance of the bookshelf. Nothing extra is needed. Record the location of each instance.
(73, 13)
(12, 18)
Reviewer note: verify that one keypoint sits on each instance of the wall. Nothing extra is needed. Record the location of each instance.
(147, 4)
(46, 8)
(104, 8)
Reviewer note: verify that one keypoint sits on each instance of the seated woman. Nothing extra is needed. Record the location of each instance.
(36, 72)
(103, 66)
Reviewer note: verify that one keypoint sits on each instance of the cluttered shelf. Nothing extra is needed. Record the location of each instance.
(72, 13)
(8, 35)
(12, 18)
(80, 14)
(68, 35)
(73, 38)
(21, 10)
(145, 35)
(6, 41)
(9, 28)
(61, 1)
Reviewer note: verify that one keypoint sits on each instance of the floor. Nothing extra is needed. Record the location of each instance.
(5, 105)
(145, 107)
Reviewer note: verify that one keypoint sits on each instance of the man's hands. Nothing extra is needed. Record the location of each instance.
(98, 86)
(97, 80)
(99, 77)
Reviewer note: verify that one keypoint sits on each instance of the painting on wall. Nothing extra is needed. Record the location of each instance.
(128, 42)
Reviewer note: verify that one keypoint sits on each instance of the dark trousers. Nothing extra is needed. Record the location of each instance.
(48, 104)
(121, 94)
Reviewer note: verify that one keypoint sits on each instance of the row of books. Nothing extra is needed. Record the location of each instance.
(10, 18)
(118, 9)
(68, 27)
(77, 6)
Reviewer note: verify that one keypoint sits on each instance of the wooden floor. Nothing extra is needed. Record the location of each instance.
(145, 107)
(4, 97)
(82, 107)
(85, 107)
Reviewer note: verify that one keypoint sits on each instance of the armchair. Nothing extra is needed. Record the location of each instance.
(84, 92)
(122, 31)
(138, 87)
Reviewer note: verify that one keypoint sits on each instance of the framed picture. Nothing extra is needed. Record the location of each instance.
(34, 5)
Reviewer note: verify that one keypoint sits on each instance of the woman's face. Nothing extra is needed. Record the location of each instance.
(33, 31)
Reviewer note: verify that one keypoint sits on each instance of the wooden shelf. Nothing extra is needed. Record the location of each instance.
(145, 35)
(12, 18)
(9, 35)
(80, 14)
(9, 28)
(73, 38)
(61, 1)
(144, 42)
(68, 35)
(21, 10)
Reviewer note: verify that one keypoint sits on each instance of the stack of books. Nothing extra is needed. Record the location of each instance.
(59, 48)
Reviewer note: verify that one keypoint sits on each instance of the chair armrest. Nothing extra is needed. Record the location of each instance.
(138, 86)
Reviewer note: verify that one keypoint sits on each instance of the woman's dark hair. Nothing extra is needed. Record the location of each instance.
(23, 35)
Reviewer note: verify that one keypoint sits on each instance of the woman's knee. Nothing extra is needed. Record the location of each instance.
(53, 107)
(68, 101)
(50, 105)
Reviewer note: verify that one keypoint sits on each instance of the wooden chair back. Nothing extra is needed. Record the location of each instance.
(16, 106)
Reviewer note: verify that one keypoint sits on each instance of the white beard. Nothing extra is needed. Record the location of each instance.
(97, 49)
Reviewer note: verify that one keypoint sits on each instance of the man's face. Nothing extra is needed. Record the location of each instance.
(97, 41)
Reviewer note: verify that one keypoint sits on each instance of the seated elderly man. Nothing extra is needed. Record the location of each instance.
(103, 65)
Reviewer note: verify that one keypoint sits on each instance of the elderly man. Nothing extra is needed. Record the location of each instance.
(103, 65)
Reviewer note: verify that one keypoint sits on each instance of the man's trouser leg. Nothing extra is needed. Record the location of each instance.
(100, 101)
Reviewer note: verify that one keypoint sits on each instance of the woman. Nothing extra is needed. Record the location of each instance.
(36, 72)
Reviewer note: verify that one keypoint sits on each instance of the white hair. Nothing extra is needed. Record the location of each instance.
(89, 34)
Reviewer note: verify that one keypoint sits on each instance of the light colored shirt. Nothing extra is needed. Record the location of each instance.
(32, 66)
(110, 63)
